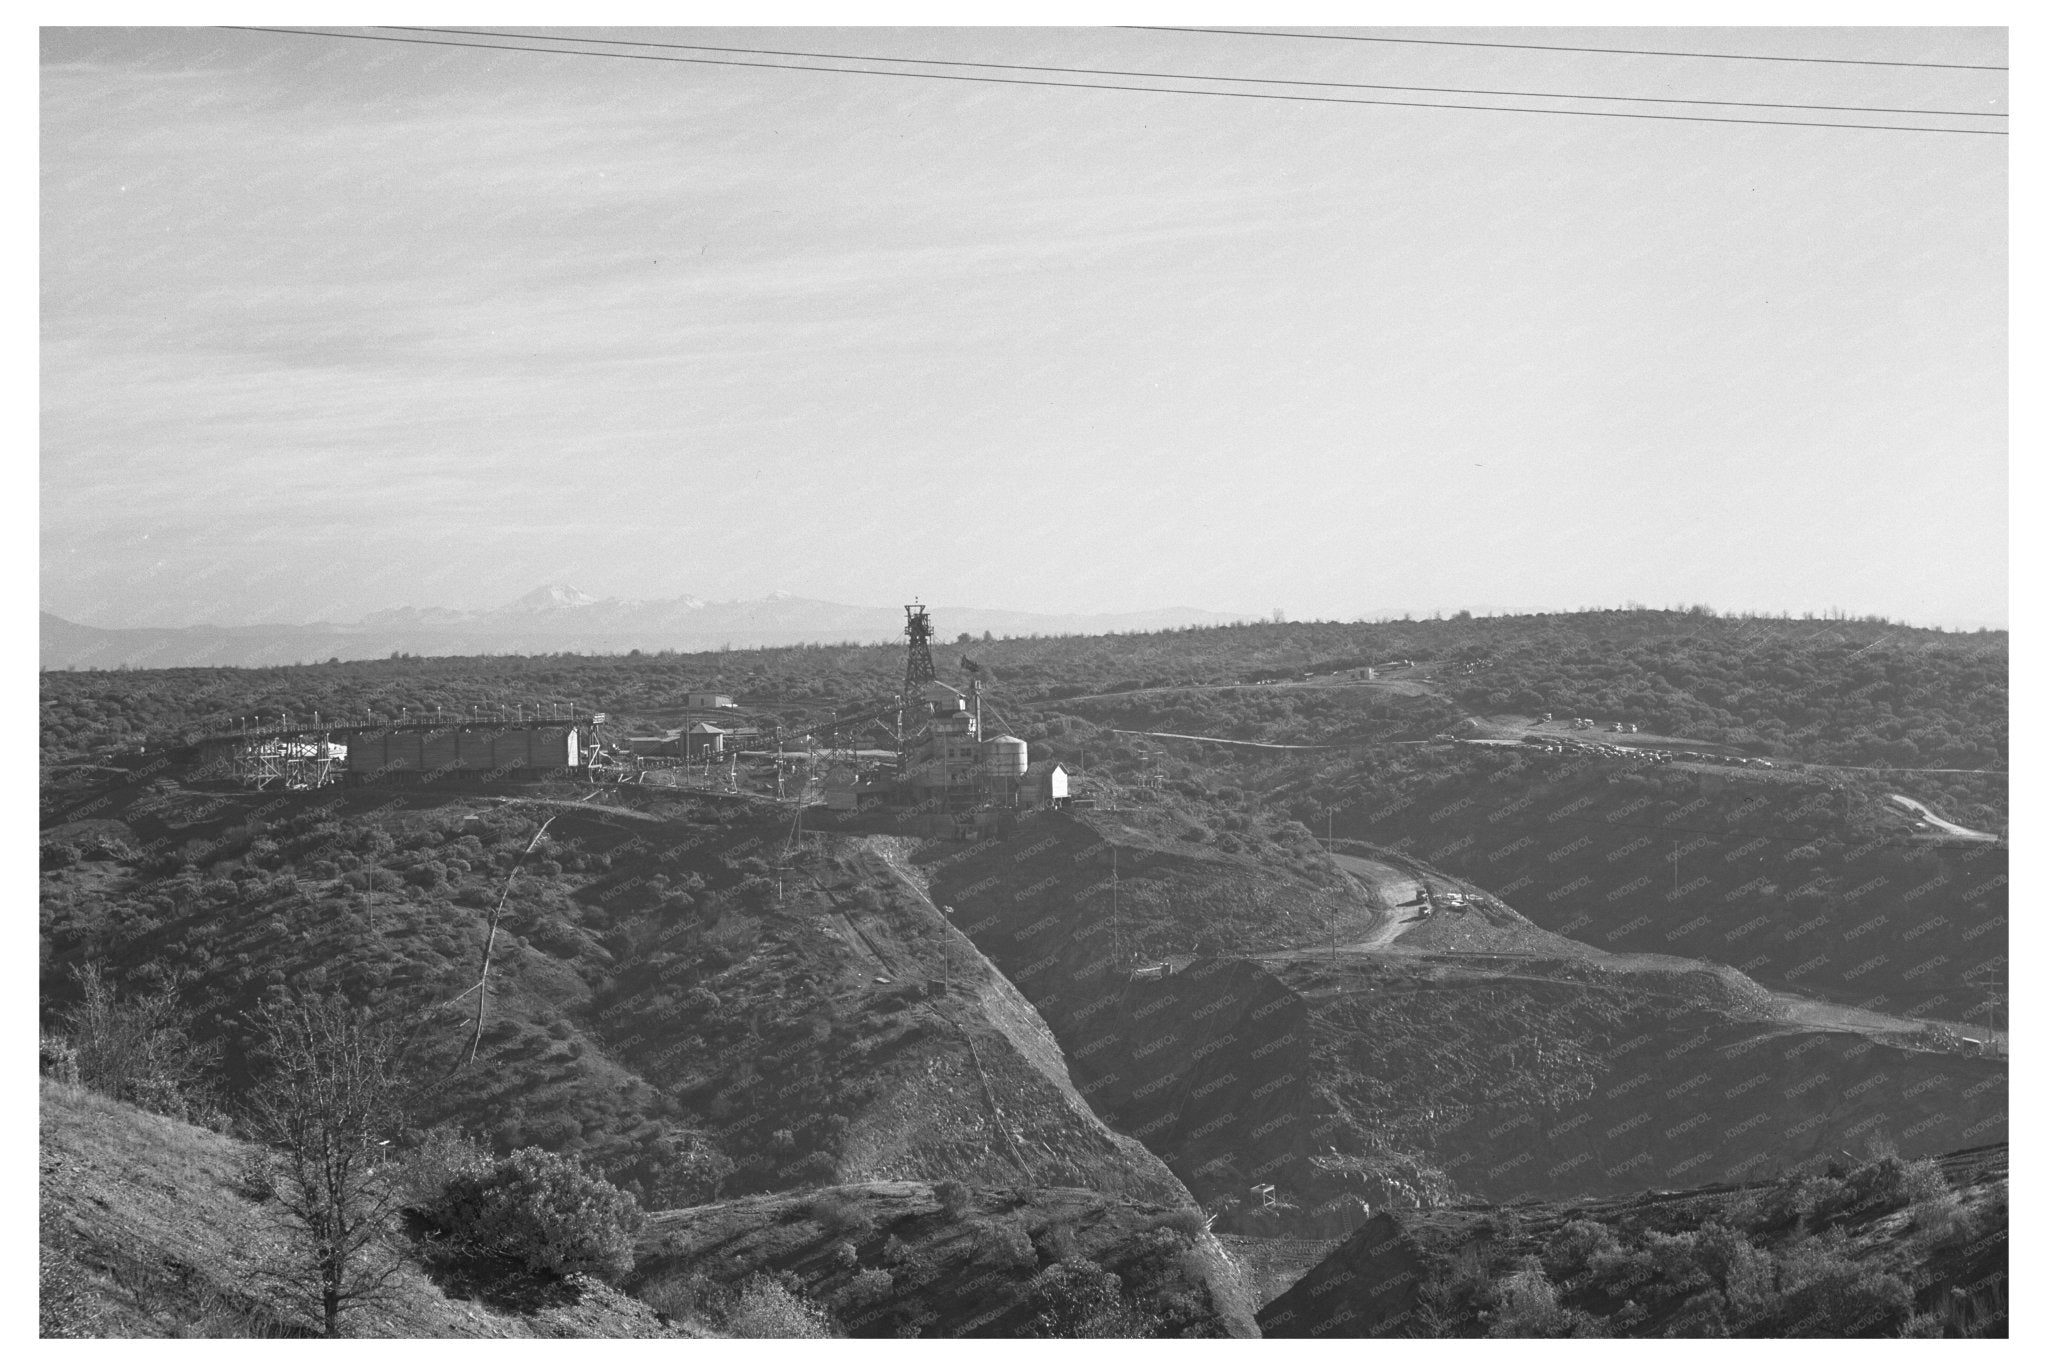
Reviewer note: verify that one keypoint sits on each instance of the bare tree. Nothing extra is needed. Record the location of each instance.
(335, 1096)
(138, 1048)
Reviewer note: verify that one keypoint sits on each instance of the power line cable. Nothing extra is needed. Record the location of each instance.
(1183, 76)
(1098, 85)
(1554, 47)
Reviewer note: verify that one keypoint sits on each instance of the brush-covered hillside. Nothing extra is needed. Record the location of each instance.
(1337, 926)
(153, 1227)
(1875, 1248)
(902, 1258)
(663, 1003)
(149, 1227)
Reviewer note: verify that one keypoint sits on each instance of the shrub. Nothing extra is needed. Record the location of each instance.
(837, 1212)
(1826, 1294)
(1878, 1180)
(1189, 1223)
(1743, 1274)
(1462, 1289)
(1528, 1307)
(1056, 1242)
(1081, 1299)
(867, 1287)
(441, 1156)
(1943, 1219)
(138, 1049)
(429, 876)
(1671, 1263)
(953, 1196)
(1922, 1180)
(1002, 1243)
(769, 1309)
(689, 1295)
(1575, 1245)
(1700, 1316)
(546, 1211)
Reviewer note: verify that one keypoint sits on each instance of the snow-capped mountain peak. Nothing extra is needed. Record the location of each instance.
(554, 597)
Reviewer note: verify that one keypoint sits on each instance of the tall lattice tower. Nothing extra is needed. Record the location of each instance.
(917, 667)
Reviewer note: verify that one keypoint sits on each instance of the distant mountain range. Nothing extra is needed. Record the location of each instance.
(559, 618)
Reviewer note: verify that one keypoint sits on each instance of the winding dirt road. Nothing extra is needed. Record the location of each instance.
(1943, 825)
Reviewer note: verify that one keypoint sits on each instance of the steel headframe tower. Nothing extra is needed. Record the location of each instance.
(917, 668)
(917, 665)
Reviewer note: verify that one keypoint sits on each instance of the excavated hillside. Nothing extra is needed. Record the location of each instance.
(1355, 1079)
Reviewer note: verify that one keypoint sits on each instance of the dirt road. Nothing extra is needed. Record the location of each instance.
(1943, 825)
(1823, 1016)
(1211, 739)
(1392, 915)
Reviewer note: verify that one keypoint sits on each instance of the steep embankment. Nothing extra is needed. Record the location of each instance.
(1210, 1065)
(148, 1230)
(908, 1259)
(1203, 1065)
(871, 1042)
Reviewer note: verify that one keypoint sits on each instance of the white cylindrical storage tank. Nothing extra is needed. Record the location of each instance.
(1006, 756)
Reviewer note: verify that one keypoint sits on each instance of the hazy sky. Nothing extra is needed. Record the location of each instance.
(334, 325)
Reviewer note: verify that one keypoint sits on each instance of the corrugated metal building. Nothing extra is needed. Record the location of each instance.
(465, 750)
(381, 751)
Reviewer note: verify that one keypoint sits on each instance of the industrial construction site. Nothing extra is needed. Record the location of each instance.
(932, 753)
